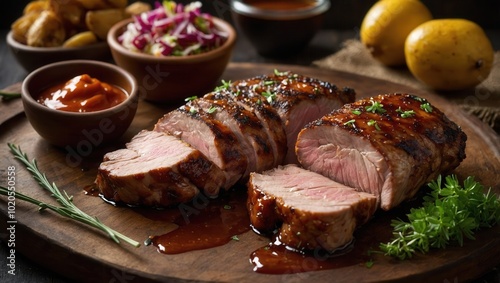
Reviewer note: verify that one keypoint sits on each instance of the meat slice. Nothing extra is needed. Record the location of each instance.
(210, 136)
(297, 99)
(388, 145)
(156, 169)
(314, 211)
(245, 125)
(271, 121)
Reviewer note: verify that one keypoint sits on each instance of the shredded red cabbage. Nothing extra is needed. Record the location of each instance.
(172, 29)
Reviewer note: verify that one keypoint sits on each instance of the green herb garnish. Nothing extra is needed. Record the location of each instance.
(369, 263)
(350, 123)
(373, 123)
(448, 215)
(225, 85)
(9, 95)
(405, 113)
(212, 110)
(376, 107)
(67, 208)
(356, 112)
(426, 107)
(278, 73)
(235, 238)
(191, 98)
(270, 96)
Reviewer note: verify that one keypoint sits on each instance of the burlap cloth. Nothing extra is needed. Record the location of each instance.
(483, 101)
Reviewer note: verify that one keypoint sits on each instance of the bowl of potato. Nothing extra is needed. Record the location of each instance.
(56, 30)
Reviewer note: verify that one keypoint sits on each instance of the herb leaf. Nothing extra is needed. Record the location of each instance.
(449, 214)
(67, 208)
(426, 107)
(406, 113)
(350, 123)
(9, 95)
(376, 107)
(225, 85)
(270, 96)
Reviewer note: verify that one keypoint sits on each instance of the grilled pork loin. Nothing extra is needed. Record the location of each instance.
(388, 145)
(311, 210)
(156, 169)
(259, 118)
(241, 127)
(297, 99)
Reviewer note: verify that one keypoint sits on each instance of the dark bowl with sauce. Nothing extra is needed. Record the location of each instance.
(31, 58)
(171, 79)
(77, 119)
(279, 28)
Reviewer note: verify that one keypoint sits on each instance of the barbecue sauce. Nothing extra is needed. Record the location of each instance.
(82, 94)
(281, 5)
(202, 224)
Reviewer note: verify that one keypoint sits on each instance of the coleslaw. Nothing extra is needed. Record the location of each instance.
(173, 29)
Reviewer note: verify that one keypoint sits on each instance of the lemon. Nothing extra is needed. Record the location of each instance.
(387, 24)
(449, 54)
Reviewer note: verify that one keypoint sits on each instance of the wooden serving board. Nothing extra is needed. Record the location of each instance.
(79, 252)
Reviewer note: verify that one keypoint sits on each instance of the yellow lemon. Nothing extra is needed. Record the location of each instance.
(449, 54)
(387, 24)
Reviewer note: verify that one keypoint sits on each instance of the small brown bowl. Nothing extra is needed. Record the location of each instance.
(279, 30)
(170, 79)
(80, 131)
(31, 58)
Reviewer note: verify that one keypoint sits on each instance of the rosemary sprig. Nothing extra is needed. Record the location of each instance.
(67, 208)
(9, 95)
(449, 214)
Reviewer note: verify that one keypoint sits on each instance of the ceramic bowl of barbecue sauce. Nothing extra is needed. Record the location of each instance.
(82, 104)
(279, 28)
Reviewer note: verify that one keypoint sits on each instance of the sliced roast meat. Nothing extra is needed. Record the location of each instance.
(210, 136)
(156, 169)
(271, 121)
(389, 145)
(297, 100)
(310, 210)
(245, 125)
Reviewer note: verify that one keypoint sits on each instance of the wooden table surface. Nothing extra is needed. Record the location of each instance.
(325, 43)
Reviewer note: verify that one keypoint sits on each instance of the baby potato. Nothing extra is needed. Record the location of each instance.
(100, 21)
(137, 8)
(81, 39)
(36, 6)
(69, 11)
(47, 31)
(21, 26)
(102, 4)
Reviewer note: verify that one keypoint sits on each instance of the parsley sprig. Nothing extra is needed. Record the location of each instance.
(449, 214)
(67, 208)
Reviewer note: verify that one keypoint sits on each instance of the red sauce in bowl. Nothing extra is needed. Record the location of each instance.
(282, 5)
(82, 94)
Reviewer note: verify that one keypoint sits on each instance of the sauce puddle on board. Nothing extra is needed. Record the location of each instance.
(203, 223)
(207, 223)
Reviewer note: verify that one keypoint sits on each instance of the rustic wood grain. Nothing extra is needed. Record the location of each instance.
(84, 254)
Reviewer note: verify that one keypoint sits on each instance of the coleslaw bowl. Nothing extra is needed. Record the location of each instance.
(171, 79)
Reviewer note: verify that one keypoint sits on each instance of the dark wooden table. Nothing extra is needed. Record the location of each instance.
(325, 43)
